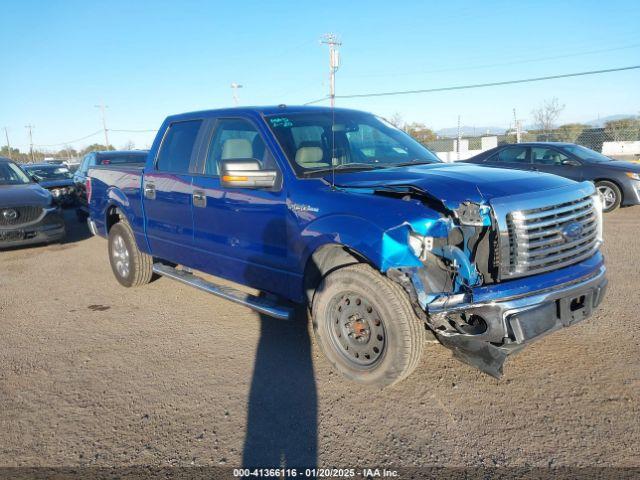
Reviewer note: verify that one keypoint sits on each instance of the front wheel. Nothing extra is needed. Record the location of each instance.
(610, 195)
(130, 266)
(366, 326)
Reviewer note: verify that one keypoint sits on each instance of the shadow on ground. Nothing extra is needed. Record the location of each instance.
(282, 415)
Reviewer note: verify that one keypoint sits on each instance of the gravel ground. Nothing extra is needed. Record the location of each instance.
(95, 374)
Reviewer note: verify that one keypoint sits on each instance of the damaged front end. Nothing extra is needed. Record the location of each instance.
(451, 268)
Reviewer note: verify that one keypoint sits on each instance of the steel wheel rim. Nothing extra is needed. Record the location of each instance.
(120, 255)
(607, 195)
(356, 330)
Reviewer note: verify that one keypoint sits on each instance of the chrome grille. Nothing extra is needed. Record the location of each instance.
(17, 216)
(551, 237)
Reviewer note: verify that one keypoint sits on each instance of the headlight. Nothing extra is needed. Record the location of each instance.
(633, 175)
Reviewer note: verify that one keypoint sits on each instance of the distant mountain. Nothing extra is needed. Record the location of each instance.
(599, 122)
(468, 131)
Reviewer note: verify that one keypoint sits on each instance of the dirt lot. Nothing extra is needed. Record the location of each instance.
(95, 374)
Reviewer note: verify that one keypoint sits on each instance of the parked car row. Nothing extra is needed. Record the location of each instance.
(32, 195)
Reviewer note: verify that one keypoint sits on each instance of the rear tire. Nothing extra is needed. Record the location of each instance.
(366, 326)
(130, 266)
(610, 194)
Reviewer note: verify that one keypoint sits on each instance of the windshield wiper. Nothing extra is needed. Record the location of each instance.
(345, 166)
(408, 164)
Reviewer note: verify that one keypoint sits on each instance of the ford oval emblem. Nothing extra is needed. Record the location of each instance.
(10, 214)
(572, 231)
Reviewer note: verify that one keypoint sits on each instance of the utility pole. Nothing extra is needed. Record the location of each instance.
(234, 88)
(516, 124)
(30, 128)
(102, 107)
(6, 135)
(459, 138)
(334, 63)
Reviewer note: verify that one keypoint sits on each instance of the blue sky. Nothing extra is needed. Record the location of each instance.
(150, 59)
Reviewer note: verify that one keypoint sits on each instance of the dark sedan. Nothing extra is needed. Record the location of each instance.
(55, 178)
(617, 181)
(27, 212)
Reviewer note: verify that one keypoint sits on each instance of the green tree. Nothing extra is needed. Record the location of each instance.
(95, 147)
(420, 132)
(569, 132)
(623, 129)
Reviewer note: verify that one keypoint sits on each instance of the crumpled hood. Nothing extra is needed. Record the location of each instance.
(454, 183)
(21, 195)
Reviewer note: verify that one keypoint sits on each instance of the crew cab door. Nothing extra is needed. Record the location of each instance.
(241, 233)
(167, 192)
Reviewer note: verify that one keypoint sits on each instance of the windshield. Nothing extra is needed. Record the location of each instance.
(122, 159)
(584, 153)
(349, 140)
(43, 173)
(11, 174)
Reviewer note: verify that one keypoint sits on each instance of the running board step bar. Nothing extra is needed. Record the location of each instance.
(260, 305)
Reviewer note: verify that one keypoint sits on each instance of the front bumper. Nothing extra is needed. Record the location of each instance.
(48, 230)
(515, 320)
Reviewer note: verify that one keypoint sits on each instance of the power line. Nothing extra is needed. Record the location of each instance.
(477, 85)
(132, 131)
(493, 65)
(97, 132)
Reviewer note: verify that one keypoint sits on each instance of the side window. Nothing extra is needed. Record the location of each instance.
(547, 156)
(177, 147)
(85, 164)
(236, 139)
(513, 155)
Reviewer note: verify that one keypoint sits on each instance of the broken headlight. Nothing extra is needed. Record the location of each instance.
(420, 245)
(473, 214)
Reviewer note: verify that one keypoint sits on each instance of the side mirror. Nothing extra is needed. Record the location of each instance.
(246, 173)
(571, 163)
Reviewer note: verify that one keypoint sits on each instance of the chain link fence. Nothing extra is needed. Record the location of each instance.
(617, 143)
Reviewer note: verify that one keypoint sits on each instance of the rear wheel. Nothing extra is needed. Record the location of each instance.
(366, 327)
(130, 266)
(610, 195)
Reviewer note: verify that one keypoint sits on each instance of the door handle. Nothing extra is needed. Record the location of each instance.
(150, 191)
(199, 199)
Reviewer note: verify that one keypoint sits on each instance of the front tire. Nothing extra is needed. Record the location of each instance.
(610, 194)
(130, 266)
(366, 326)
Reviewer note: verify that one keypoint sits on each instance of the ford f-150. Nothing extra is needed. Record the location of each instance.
(340, 211)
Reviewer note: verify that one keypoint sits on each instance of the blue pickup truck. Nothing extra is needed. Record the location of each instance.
(340, 211)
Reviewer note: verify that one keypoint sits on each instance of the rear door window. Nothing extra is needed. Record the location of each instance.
(177, 147)
(547, 156)
(513, 155)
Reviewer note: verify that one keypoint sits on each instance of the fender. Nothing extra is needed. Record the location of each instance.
(356, 233)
